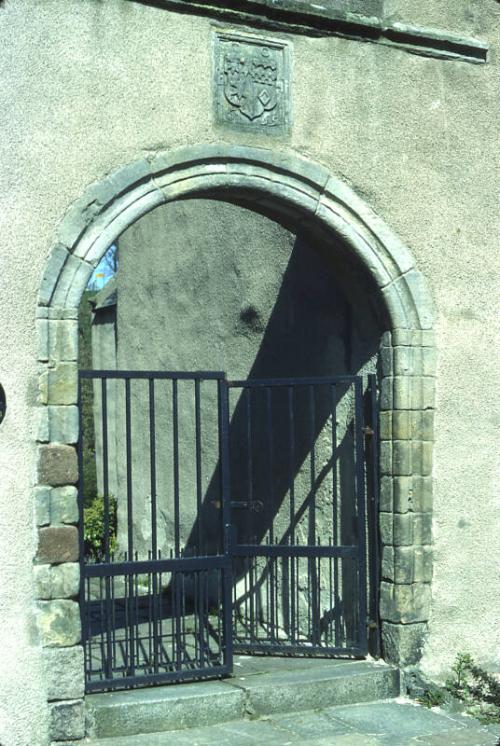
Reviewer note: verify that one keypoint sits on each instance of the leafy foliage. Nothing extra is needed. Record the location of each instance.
(476, 688)
(432, 697)
(94, 528)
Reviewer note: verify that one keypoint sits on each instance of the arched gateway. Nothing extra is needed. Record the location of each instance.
(292, 188)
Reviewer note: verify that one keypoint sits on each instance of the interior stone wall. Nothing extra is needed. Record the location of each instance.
(208, 285)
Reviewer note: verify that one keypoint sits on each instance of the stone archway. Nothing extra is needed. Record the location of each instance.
(285, 182)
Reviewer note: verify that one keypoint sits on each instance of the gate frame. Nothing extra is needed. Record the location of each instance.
(288, 184)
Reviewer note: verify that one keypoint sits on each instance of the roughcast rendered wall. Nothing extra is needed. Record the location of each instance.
(89, 86)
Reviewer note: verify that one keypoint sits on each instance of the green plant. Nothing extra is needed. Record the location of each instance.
(94, 525)
(476, 688)
(432, 697)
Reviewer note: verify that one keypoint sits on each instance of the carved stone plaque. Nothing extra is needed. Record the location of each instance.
(252, 83)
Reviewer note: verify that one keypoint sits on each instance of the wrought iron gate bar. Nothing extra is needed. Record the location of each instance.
(188, 564)
(263, 382)
(203, 375)
(156, 679)
(299, 550)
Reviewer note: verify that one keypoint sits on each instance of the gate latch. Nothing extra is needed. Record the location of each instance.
(255, 505)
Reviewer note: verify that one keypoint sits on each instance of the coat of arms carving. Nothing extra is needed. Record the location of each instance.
(252, 83)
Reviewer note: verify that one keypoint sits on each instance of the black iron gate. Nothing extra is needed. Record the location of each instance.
(155, 592)
(298, 499)
(220, 514)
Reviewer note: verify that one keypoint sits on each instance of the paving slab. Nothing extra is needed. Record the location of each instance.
(463, 737)
(402, 719)
(309, 725)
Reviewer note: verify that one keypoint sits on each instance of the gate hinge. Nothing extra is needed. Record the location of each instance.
(371, 624)
(368, 430)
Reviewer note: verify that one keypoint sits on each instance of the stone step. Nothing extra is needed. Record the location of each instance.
(259, 687)
(395, 722)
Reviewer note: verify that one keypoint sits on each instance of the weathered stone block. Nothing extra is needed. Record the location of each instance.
(64, 505)
(422, 494)
(386, 494)
(63, 669)
(385, 425)
(385, 457)
(422, 457)
(402, 457)
(406, 362)
(59, 313)
(58, 424)
(413, 392)
(405, 603)
(386, 527)
(386, 339)
(57, 465)
(407, 337)
(57, 581)
(42, 581)
(414, 361)
(57, 258)
(412, 494)
(387, 563)
(62, 383)
(42, 505)
(59, 623)
(402, 644)
(412, 424)
(407, 564)
(67, 720)
(42, 328)
(386, 360)
(412, 528)
(407, 392)
(57, 544)
(63, 340)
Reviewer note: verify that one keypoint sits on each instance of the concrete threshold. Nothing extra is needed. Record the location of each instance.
(259, 687)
